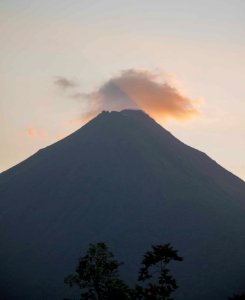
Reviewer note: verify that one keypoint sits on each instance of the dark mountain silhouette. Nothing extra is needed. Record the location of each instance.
(125, 180)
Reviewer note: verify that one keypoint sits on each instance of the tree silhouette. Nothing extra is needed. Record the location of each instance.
(154, 269)
(97, 275)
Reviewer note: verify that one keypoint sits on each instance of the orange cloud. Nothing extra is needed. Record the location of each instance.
(35, 134)
(137, 89)
(158, 99)
(31, 132)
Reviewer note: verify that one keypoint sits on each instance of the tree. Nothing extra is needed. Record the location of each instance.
(97, 275)
(154, 269)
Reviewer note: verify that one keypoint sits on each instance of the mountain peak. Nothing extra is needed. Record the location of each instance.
(123, 179)
(135, 112)
(125, 112)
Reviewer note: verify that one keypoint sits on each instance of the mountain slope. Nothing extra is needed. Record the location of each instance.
(125, 180)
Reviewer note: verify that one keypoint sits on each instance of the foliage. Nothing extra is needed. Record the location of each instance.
(97, 275)
(155, 270)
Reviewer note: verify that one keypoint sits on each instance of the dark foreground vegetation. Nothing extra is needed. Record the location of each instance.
(98, 277)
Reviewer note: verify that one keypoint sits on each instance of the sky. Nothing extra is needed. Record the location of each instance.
(63, 61)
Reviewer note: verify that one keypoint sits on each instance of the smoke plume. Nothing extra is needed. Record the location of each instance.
(64, 83)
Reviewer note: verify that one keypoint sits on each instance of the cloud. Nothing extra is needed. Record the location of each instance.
(64, 83)
(31, 132)
(34, 133)
(140, 89)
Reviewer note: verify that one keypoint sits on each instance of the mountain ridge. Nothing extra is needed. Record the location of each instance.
(132, 113)
(124, 179)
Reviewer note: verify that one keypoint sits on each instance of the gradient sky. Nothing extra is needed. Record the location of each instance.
(197, 46)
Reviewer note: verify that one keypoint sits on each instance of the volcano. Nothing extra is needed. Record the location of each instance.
(124, 180)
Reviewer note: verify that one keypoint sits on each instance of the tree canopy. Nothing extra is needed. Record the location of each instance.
(98, 277)
(154, 271)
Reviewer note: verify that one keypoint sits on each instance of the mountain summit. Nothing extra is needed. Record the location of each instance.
(125, 180)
